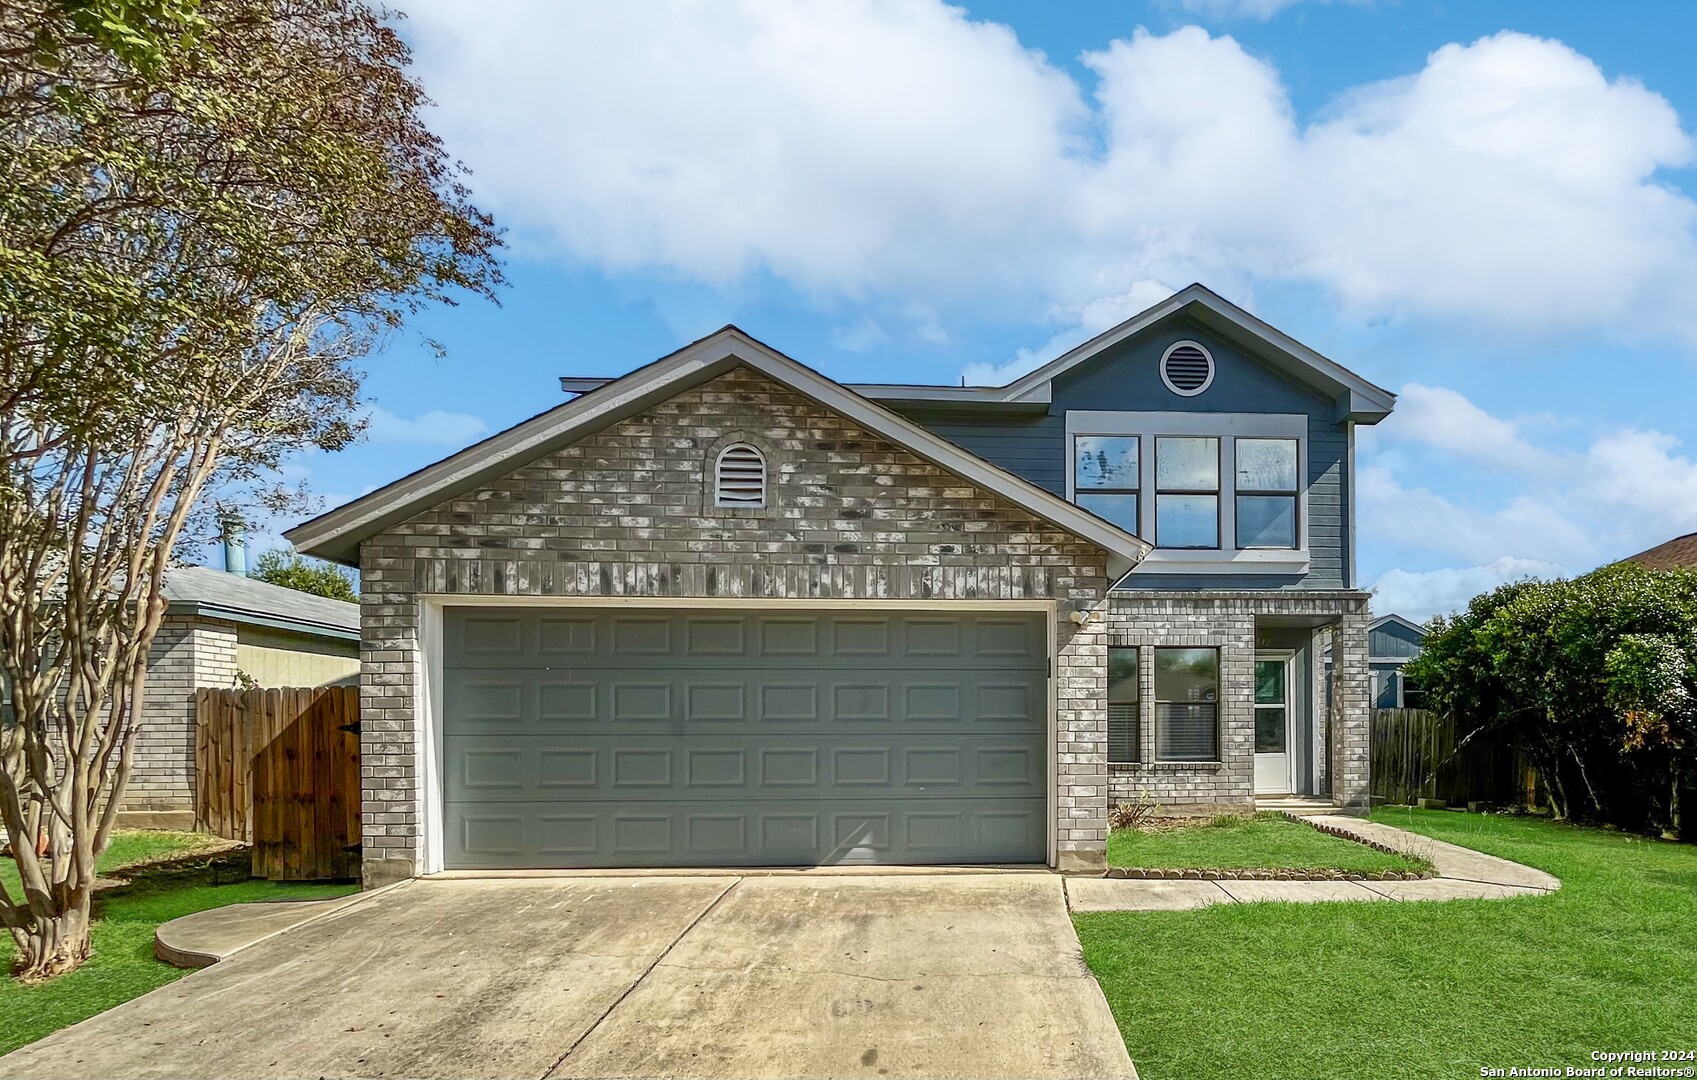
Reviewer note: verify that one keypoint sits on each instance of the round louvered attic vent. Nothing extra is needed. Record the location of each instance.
(1187, 368)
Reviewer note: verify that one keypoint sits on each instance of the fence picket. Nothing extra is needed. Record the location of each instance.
(274, 768)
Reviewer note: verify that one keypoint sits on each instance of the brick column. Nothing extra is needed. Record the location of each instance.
(1081, 740)
(1351, 718)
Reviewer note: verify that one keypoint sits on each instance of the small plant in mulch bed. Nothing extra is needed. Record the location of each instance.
(1134, 814)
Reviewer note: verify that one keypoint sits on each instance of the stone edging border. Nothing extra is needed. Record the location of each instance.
(1261, 873)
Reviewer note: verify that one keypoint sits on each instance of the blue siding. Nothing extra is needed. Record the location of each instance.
(1126, 378)
(1032, 446)
(1393, 639)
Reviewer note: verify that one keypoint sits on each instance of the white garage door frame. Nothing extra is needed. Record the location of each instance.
(428, 693)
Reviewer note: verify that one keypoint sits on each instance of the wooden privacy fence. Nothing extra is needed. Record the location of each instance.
(1415, 754)
(279, 769)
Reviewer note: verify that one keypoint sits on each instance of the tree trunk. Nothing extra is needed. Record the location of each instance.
(1672, 831)
(55, 945)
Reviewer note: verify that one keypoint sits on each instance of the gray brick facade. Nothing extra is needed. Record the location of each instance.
(1229, 622)
(627, 512)
(188, 652)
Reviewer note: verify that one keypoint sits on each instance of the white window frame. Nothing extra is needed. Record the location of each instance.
(1227, 427)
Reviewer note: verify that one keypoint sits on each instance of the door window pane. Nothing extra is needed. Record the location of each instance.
(1270, 730)
(1117, 508)
(1105, 461)
(1270, 682)
(1187, 521)
(1266, 521)
(1266, 464)
(1187, 464)
(1187, 690)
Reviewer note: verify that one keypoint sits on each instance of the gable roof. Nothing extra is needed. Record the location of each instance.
(1677, 554)
(217, 594)
(337, 534)
(1400, 621)
(1356, 399)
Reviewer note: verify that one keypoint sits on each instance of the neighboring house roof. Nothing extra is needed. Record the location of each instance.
(1680, 553)
(1326, 650)
(200, 590)
(1409, 623)
(337, 534)
(1357, 399)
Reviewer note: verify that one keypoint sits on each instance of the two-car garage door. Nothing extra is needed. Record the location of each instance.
(649, 737)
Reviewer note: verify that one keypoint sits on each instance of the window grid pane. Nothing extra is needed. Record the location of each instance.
(1187, 690)
(1266, 521)
(1105, 462)
(1266, 465)
(1119, 508)
(1187, 464)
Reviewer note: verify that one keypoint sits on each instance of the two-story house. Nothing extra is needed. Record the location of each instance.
(724, 610)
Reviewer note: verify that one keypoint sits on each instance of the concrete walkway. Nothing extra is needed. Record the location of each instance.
(206, 937)
(1463, 874)
(946, 976)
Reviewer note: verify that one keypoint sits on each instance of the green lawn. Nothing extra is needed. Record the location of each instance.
(123, 965)
(1435, 989)
(1265, 840)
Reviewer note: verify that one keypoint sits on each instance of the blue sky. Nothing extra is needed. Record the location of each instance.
(1486, 207)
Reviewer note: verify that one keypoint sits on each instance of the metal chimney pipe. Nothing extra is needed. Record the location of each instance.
(235, 548)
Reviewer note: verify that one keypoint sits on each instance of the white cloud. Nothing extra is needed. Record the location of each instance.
(1420, 595)
(901, 150)
(1444, 419)
(1081, 321)
(436, 428)
(859, 336)
(1624, 491)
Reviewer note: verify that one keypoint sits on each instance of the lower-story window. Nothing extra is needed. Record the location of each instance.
(1187, 697)
(1125, 736)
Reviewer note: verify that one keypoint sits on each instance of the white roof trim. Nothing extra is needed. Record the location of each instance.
(336, 534)
(1360, 397)
(1393, 618)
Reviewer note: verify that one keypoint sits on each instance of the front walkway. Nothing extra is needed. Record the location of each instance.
(1463, 874)
(922, 976)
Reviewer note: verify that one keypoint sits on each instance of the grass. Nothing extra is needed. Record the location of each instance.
(123, 965)
(1266, 840)
(1435, 989)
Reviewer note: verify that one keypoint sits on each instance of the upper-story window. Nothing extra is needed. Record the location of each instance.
(1266, 493)
(1187, 492)
(1107, 477)
(1212, 491)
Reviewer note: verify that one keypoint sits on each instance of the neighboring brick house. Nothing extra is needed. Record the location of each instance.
(223, 630)
(726, 611)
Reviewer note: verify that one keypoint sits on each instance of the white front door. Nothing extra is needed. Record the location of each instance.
(1272, 723)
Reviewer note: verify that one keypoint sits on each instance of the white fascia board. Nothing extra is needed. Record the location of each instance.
(331, 533)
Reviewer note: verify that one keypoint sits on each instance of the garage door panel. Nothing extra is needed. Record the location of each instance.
(662, 738)
(726, 767)
(539, 638)
(521, 700)
(794, 833)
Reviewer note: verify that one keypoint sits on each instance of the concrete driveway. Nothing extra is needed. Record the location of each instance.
(970, 975)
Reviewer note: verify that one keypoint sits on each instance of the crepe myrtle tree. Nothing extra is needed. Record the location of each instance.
(208, 212)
